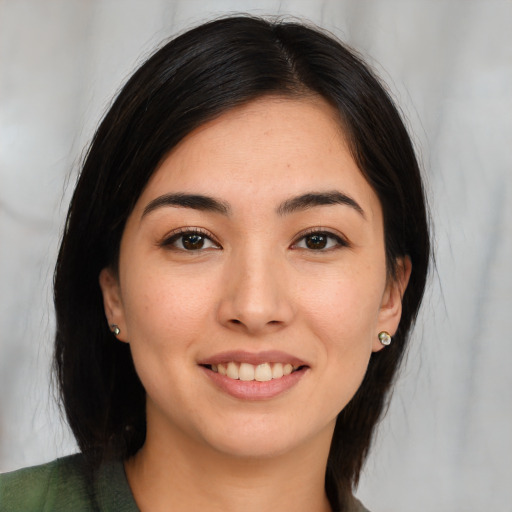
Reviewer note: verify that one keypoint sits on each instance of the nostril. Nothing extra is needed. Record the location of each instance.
(271, 322)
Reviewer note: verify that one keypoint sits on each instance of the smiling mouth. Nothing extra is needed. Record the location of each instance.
(248, 372)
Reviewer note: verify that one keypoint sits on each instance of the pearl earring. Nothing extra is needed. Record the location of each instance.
(115, 329)
(385, 338)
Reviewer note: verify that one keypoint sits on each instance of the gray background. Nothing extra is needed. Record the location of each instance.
(446, 444)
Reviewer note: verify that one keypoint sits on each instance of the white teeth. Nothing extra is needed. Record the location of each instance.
(232, 371)
(247, 372)
(263, 373)
(277, 371)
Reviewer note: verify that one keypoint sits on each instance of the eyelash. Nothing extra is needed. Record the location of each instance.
(170, 240)
(339, 241)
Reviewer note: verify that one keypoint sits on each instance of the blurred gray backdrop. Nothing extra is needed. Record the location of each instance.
(446, 443)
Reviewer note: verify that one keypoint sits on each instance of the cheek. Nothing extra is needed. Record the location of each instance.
(342, 313)
(164, 315)
(344, 306)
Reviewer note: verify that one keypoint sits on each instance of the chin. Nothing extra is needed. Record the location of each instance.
(256, 439)
(254, 447)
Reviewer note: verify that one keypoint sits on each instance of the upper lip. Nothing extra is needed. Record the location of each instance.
(254, 358)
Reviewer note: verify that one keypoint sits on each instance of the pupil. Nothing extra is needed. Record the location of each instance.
(193, 242)
(316, 241)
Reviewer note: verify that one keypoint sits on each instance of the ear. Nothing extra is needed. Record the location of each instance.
(114, 310)
(391, 305)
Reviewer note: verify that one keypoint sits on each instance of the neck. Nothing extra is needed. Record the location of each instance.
(175, 473)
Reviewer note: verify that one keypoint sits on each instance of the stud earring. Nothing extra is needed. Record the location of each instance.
(385, 338)
(115, 329)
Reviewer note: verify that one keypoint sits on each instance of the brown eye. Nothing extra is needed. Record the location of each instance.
(320, 241)
(193, 242)
(317, 241)
(190, 241)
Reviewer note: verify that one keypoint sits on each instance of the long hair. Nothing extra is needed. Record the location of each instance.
(189, 81)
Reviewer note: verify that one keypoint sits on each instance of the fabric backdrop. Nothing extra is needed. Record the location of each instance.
(446, 443)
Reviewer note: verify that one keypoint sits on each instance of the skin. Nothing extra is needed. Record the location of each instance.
(255, 286)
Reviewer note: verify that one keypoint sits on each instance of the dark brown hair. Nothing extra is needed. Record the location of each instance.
(189, 81)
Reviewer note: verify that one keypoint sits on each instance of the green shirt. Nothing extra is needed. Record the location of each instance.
(63, 486)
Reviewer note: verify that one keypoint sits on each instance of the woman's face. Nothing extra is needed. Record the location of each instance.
(256, 249)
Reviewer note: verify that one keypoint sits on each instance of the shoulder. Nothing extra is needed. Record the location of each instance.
(58, 485)
(67, 484)
(357, 506)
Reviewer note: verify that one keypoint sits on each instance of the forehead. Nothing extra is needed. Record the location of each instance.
(266, 150)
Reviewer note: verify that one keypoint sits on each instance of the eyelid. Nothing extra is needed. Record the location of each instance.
(341, 239)
(168, 239)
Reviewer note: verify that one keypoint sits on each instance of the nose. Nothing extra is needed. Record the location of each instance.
(256, 295)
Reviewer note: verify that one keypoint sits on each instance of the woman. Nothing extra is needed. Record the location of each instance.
(244, 256)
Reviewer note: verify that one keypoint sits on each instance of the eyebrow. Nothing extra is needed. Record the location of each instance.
(294, 204)
(194, 201)
(311, 199)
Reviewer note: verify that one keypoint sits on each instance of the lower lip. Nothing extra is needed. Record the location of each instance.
(255, 390)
